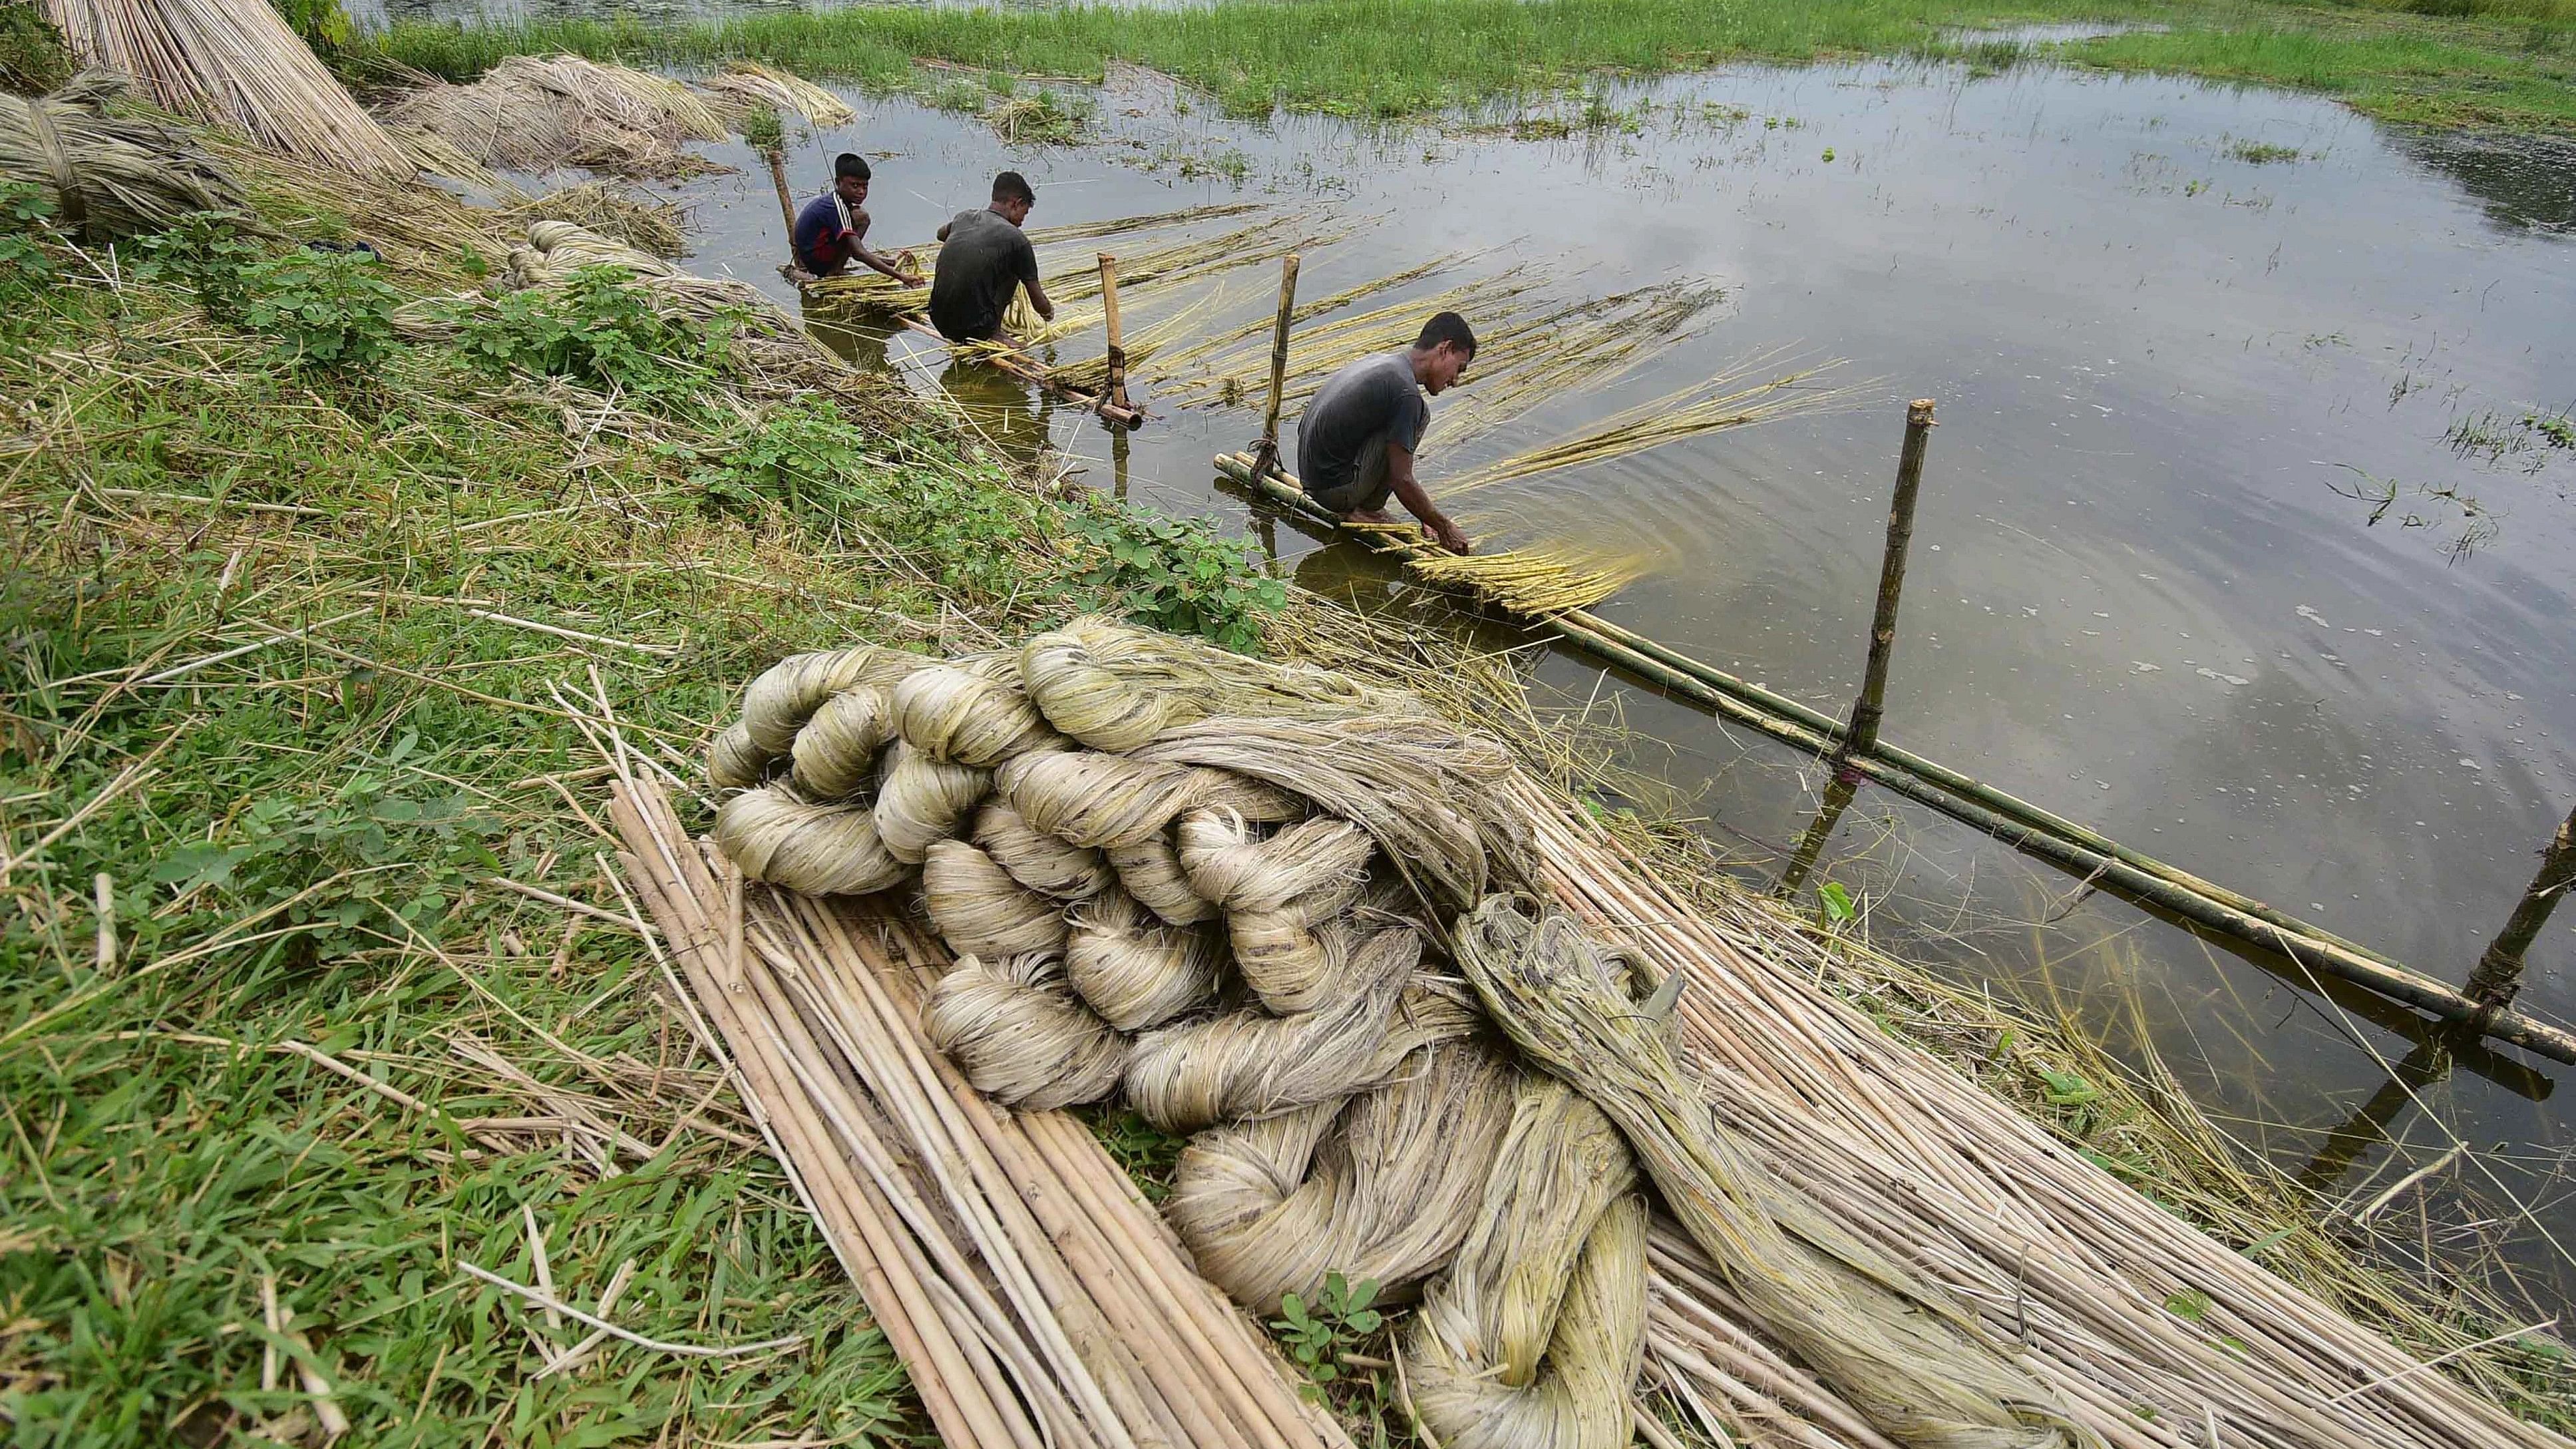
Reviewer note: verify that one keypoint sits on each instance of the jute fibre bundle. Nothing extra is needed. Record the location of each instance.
(981, 911)
(1532, 1340)
(972, 712)
(1020, 1035)
(778, 702)
(1280, 896)
(1379, 1186)
(1105, 801)
(1136, 971)
(236, 64)
(1150, 870)
(1420, 788)
(1911, 1363)
(535, 113)
(822, 850)
(107, 176)
(1114, 687)
(835, 755)
(1040, 861)
(921, 801)
(1244, 1065)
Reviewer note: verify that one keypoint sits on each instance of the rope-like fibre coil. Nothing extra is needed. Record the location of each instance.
(1282, 897)
(1910, 1361)
(1102, 801)
(1114, 687)
(1040, 861)
(971, 713)
(822, 850)
(1381, 1186)
(982, 911)
(920, 801)
(778, 701)
(1150, 870)
(835, 754)
(1020, 1034)
(1135, 971)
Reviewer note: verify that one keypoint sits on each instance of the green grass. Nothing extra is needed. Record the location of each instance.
(2506, 62)
(305, 866)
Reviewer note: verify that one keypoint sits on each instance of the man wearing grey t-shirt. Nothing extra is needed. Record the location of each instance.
(1356, 441)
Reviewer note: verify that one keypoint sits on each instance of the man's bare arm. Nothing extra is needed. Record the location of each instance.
(859, 249)
(1038, 298)
(1399, 472)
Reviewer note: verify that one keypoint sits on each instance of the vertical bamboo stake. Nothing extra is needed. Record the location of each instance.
(1117, 393)
(1862, 737)
(777, 160)
(2499, 973)
(1266, 459)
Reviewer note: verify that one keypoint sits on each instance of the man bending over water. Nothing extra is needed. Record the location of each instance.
(1356, 441)
(983, 257)
(832, 230)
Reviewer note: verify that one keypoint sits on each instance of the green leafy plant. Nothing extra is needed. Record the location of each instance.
(1322, 1335)
(330, 312)
(1835, 903)
(26, 266)
(599, 329)
(1177, 574)
(207, 253)
(322, 24)
(33, 57)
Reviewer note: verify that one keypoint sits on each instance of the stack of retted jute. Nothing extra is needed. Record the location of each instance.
(1295, 918)
(1226, 891)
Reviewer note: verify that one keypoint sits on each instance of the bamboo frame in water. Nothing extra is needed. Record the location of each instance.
(2016, 822)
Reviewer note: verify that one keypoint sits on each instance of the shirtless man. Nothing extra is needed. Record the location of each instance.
(1356, 441)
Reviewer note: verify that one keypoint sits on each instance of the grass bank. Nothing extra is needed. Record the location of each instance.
(2509, 63)
(313, 986)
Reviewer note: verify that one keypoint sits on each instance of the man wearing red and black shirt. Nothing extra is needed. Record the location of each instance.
(831, 232)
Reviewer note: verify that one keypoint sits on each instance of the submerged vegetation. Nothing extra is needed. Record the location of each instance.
(2447, 62)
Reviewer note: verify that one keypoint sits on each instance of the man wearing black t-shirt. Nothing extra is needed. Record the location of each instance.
(983, 256)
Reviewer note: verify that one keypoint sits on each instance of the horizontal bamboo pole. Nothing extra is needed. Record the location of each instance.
(2086, 853)
(1029, 370)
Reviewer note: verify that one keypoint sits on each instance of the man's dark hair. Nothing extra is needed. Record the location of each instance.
(1012, 186)
(1447, 327)
(850, 163)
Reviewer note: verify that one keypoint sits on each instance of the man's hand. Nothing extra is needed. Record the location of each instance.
(911, 279)
(1449, 536)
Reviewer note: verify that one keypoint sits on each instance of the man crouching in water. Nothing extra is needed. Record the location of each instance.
(832, 230)
(983, 258)
(1356, 441)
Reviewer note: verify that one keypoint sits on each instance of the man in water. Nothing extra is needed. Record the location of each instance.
(832, 230)
(983, 256)
(1356, 440)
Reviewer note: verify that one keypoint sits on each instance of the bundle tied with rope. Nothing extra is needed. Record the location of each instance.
(1273, 911)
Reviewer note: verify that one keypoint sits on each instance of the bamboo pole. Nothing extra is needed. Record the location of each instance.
(2084, 853)
(2499, 973)
(1029, 370)
(1871, 707)
(786, 199)
(1268, 452)
(1117, 344)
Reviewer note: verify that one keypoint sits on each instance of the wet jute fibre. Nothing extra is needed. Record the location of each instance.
(1230, 893)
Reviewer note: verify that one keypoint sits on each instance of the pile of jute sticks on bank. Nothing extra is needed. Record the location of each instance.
(1422, 1025)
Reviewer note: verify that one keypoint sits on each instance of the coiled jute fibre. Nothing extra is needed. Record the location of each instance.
(1249, 1064)
(1379, 1186)
(822, 850)
(1911, 1362)
(1150, 870)
(1280, 897)
(1133, 969)
(982, 911)
(1040, 861)
(972, 712)
(834, 756)
(1114, 687)
(1421, 789)
(1109, 801)
(1532, 1340)
(776, 704)
(1020, 1034)
(920, 800)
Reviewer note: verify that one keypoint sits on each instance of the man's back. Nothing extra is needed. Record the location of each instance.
(983, 261)
(1343, 434)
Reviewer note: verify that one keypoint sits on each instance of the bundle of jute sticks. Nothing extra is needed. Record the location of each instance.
(1301, 921)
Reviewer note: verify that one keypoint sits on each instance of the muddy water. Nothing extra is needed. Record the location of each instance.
(2143, 593)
